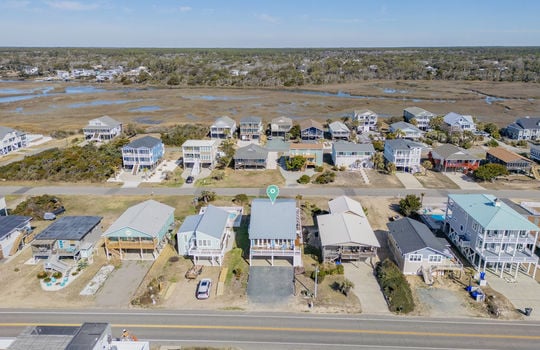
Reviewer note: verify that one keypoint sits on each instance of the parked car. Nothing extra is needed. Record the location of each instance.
(189, 179)
(203, 289)
(49, 216)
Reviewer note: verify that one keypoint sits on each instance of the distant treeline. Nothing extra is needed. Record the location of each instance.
(286, 67)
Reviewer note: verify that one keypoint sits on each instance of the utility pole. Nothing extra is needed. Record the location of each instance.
(316, 280)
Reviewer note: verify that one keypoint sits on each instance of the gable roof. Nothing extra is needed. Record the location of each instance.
(9, 224)
(338, 126)
(144, 142)
(277, 144)
(344, 204)
(310, 123)
(251, 120)
(73, 228)
(147, 217)
(282, 120)
(108, 121)
(251, 151)
(506, 155)
(353, 147)
(198, 143)
(314, 146)
(454, 118)
(402, 144)
(411, 235)
(529, 122)
(404, 126)
(358, 112)
(491, 213)
(345, 228)
(213, 221)
(452, 152)
(4, 130)
(419, 112)
(273, 221)
(224, 121)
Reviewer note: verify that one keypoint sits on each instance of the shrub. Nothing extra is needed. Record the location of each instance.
(74, 273)
(241, 199)
(395, 287)
(325, 178)
(320, 277)
(319, 168)
(42, 274)
(174, 259)
(57, 274)
(410, 204)
(47, 279)
(304, 179)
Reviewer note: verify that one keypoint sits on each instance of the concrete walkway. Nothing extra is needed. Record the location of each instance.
(409, 181)
(366, 287)
(463, 181)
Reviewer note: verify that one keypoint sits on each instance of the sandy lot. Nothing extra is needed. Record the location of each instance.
(58, 110)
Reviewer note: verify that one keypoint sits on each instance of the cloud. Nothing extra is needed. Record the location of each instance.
(72, 5)
(185, 8)
(14, 4)
(267, 18)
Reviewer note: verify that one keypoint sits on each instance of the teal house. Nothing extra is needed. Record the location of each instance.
(312, 152)
(140, 232)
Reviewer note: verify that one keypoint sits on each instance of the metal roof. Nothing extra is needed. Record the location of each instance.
(198, 143)
(364, 112)
(452, 152)
(73, 228)
(419, 112)
(404, 126)
(453, 118)
(272, 221)
(338, 126)
(491, 213)
(108, 121)
(224, 121)
(277, 144)
(88, 336)
(9, 224)
(251, 151)
(402, 144)
(342, 146)
(411, 235)
(346, 228)
(213, 221)
(282, 120)
(344, 204)
(147, 217)
(251, 120)
(529, 122)
(144, 142)
(4, 130)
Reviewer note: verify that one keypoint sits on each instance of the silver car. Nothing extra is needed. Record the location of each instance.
(203, 289)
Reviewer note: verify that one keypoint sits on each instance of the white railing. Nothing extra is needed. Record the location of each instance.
(274, 252)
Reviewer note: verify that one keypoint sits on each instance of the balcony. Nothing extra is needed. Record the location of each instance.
(274, 252)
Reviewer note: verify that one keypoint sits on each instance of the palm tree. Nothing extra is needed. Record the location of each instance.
(378, 160)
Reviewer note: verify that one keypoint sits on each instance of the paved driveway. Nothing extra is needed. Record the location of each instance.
(270, 284)
(122, 284)
(366, 287)
(409, 181)
(522, 292)
(463, 181)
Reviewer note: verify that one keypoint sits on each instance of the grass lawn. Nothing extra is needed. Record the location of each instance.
(435, 179)
(244, 178)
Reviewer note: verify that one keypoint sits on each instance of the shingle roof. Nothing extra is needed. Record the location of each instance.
(353, 147)
(251, 120)
(404, 126)
(364, 112)
(452, 118)
(109, 121)
(73, 228)
(452, 152)
(272, 221)
(402, 144)
(147, 217)
(251, 151)
(144, 142)
(224, 121)
(282, 120)
(11, 223)
(506, 155)
(529, 122)
(277, 145)
(482, 208)
(411, 235)
(345, 228)
(197, 143)
(338, 126)
(310, 123)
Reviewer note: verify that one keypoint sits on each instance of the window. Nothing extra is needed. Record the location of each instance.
(415, 257)
(475, 226)
(435, 258)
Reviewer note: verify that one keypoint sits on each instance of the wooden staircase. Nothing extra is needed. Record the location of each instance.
(16, 244)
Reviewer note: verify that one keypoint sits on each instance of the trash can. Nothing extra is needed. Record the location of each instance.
(528, 311)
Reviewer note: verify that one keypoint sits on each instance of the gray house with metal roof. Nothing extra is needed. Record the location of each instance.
(12, 229)
(419, 115)
(339, 131)
(102, 129)
(251, 128)
(416, 249)
(352, 155)
(251, 156)
(205, 236)
(345, 233)
(406, 130)
(280, 126)
(275, 230)
(224, 127)
(140, 232)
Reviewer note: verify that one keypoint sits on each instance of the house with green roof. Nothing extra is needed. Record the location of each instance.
(140, 232)
(491, 235)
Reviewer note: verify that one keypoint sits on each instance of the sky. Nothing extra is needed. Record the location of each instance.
(269, 23)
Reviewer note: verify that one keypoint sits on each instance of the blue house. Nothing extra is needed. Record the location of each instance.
(143, 153)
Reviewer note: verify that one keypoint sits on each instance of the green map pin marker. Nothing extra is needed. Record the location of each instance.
(272, 192)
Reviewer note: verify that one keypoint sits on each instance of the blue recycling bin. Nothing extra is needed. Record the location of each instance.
(482, 276)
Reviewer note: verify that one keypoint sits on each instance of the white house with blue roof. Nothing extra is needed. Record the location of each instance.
(275, 230)
(205, 236)
(490, 234)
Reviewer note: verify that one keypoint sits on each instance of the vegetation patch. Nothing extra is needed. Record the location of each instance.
(36, 207)
(178, 134)
(72, 164)
(395, 287)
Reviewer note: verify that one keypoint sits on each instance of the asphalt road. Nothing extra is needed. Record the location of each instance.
(285, 191)
(290, 331)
